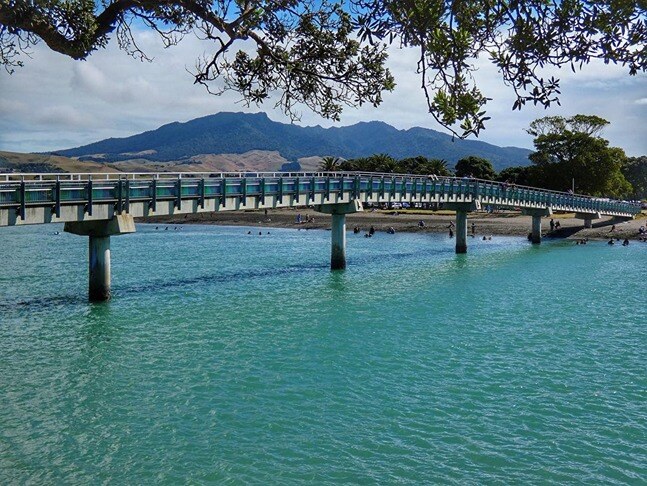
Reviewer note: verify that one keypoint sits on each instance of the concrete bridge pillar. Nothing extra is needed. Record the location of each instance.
(536, 229)
(461, 231)
(588, 218)
(537, 214)
(338, 243)
(99, 233)
(338, 233)
(99, 270)
(461, 222)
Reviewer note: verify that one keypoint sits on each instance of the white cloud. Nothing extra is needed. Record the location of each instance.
(54, 102)
(62, 116)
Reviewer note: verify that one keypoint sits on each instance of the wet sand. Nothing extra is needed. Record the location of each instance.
(501, 223)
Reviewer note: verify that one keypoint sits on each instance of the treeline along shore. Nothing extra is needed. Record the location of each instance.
(485, 224)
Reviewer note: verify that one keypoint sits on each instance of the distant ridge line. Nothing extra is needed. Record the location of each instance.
(238, 133)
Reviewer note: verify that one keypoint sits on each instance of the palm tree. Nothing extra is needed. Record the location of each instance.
(438, 167)
(329, 164)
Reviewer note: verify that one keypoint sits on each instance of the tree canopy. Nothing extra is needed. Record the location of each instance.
(386, 164)
(475, 167)
(570, 149)
(635, 171)
(328, 54)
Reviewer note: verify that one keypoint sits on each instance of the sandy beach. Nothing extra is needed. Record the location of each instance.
(501, 223)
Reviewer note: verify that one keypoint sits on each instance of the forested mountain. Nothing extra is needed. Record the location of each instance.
(237, 133)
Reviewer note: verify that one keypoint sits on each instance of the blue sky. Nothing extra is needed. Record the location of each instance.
(54, 102)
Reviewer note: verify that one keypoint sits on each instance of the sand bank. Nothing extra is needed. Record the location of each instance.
(502, 223)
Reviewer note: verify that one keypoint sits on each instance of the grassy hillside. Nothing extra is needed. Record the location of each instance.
(254, 161)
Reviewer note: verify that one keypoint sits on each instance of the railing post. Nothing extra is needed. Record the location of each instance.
(89, 190)
(127, 202)
(243, 184)
(280, 198)
(22, 211)
(153, 202)
(119, 196)
(57, 197)
(178, 199)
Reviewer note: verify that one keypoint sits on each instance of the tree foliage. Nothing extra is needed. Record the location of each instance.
(521, 176)
(570, 149)
(386, 164)
(325, 54)
(330, 164)
(635, 171)
(476, 167)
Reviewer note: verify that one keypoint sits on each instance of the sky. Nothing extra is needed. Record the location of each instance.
(54, 102)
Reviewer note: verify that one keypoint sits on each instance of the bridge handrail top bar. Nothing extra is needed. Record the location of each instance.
(143, 176)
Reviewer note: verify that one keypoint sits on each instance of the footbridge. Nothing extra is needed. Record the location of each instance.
(103, 205)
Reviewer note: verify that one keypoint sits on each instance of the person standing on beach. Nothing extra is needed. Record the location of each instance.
(552, 224)
(473, 228)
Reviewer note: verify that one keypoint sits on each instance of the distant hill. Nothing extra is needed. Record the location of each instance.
(39, 163)
(239, 133)
(257, 161)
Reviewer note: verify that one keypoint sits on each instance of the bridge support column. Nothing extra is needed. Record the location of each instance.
(461, 222)
(588, 218)
(338, 246)
(338, 233)
(461, 231)
(537, 214)
(99, 271)
(536, 229)
(99, 233)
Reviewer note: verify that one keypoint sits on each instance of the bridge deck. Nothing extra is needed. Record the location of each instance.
(49, 198)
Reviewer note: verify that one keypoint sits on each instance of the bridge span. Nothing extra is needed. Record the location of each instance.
(103, 205)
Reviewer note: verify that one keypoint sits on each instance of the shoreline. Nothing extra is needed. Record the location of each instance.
(485, 224)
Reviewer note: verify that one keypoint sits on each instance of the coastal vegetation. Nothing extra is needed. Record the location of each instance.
(569, 154)
(327, 55)
(384, 163)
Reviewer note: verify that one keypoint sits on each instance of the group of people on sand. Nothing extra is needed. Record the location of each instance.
(642, 232)
(554, 225)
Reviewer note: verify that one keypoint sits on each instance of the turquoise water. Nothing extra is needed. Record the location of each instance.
(226, 357)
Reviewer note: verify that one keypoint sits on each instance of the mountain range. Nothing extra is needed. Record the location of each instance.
(213, 136)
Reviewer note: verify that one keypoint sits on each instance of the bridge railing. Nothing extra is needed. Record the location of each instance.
(26, 189)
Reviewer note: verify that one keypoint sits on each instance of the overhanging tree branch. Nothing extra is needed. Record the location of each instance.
(326, 55)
